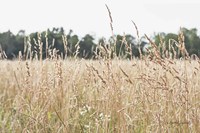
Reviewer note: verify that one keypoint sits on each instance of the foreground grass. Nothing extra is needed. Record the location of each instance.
(99, 96)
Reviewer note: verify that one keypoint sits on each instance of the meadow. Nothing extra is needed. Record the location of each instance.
(157, 92)
(100, 95)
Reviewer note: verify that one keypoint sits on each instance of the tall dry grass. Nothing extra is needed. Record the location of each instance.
(158, 93)
(100, 96)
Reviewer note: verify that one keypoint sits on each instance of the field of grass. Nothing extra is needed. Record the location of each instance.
(160, 92)
(100, 96)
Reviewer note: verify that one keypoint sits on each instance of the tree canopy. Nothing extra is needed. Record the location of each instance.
(56, 40)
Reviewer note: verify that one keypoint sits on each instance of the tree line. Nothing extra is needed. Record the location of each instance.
(67, 44)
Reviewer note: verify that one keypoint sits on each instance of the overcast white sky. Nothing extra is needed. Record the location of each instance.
(91, 16)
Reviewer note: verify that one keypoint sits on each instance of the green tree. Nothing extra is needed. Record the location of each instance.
(165, 42)
(192, 41)
(87, 46)
(11, 44)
